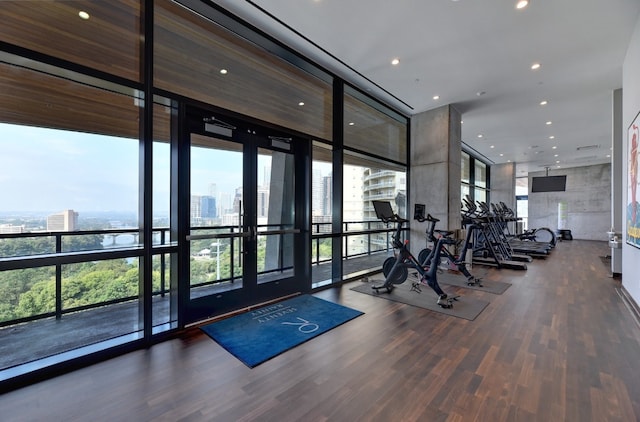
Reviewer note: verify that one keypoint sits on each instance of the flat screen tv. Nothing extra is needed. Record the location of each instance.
(549, 184)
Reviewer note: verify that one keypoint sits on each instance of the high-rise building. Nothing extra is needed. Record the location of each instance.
(213, 190)
(327, 195)
(195, 210)
(66, 220)
(317, 193)
(208, 208)
(263, 202)
(237, 200)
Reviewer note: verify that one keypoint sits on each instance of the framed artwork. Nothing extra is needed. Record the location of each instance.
(633, 208)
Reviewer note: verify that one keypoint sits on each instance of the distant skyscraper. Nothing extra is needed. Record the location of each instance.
(64, 221)
(352, 193)
(263, 202)
(213, 190)
(316, 193)
(208, 207)
(327, 195)
(237, 200)
(196, 208)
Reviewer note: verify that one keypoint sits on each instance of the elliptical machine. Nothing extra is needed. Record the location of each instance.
(403, 259)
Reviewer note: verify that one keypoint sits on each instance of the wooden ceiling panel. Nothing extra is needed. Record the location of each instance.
(37, 99)
(110, 40)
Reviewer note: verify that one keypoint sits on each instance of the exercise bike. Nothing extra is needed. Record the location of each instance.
(404, 260)
(426, 255)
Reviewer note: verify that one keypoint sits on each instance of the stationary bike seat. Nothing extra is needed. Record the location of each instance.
(444, 233)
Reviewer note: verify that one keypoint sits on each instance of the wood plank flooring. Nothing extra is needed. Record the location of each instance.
(558, 345)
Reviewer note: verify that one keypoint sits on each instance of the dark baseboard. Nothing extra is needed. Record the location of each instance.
(630, 303)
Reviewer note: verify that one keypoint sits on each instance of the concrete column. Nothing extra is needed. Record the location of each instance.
(435, 169)
(503, 184)
(503, 187)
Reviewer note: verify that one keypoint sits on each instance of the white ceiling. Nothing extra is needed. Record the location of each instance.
(458, 49)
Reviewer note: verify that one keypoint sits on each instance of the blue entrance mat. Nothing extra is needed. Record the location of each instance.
(259, 335)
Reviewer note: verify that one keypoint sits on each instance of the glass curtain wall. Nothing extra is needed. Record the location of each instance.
(69, 214)
(164, 295)
(474, 179)
(69, 211)
(375, 168)
(522, 203)
(480, 181)
(465, 175)
(72, 244)
(321, 213)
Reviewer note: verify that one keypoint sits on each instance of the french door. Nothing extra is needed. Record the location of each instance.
(246, 236)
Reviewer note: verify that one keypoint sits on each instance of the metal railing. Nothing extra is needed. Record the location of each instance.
(57, 250)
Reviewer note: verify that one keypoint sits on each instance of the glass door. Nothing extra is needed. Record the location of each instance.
(245, 241)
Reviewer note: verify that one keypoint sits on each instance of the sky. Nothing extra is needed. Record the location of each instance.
(48, 170)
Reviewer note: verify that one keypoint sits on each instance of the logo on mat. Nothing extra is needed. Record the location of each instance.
(304, 326)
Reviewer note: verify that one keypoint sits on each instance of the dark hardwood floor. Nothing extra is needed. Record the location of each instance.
(558, 345)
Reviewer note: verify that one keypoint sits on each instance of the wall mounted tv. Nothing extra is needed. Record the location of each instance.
(549, 184)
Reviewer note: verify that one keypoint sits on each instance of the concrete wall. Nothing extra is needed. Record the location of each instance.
(630, 107)
(588, 201)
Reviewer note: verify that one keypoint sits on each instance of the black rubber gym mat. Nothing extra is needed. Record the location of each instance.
(465, 307)
(458, 280)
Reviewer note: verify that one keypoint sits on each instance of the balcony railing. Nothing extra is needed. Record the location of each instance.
(57, 251)
(62, 254)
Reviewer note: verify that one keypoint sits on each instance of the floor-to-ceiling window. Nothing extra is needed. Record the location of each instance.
(374, 168)
(321, 213)
(95, 124)
(474, 177)
(69, 222)
(522, 203)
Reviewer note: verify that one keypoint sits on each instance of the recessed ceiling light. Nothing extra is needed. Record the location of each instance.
(436, 97)
(461, 121)
(552, 137)
(508, 161)
(501, 155)
(549, 122)
(301, 103)
(558, 161)
(492, 146)
(608, 156)
(224, 71)
(535, 66)
(351, 124)
(544, 102)
(480, 135)
(554, 147)
(521, 4)
(84, 15)
(480, 93)
(395, 62)
(555, 155)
